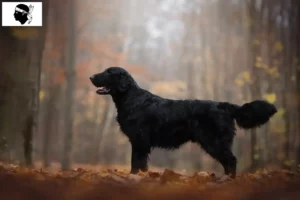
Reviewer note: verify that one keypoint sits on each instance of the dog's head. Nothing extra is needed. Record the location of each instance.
(112, 81)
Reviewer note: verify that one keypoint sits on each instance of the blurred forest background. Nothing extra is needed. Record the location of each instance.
(223, 50)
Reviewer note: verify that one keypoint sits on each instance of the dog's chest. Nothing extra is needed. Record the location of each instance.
(128, 122)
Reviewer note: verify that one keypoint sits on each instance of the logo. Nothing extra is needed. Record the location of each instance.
(22, 14)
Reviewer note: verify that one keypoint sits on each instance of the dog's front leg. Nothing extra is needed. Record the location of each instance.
(139, 159)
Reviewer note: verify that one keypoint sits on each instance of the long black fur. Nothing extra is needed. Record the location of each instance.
(150, 121)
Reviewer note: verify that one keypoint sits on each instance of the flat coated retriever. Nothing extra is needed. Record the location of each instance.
(150, 121)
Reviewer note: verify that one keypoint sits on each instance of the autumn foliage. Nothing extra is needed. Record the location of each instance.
(24, 183)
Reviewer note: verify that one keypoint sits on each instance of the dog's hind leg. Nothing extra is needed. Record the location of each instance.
(228, 161)
(220, 149)
(225, 156)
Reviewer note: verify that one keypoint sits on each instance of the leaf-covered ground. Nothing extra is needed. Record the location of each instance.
(79, 184)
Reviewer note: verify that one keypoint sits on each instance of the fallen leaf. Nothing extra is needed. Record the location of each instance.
(135, 178)
(169, 176)
(118, 179)
(223, 179)
(153, 174)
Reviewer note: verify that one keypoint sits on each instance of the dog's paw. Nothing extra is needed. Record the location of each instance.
(224, 178)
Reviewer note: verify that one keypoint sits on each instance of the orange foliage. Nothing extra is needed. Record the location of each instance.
(94, 53)
(135, 69)
(119, 184)
(100, 49)
(138, 70)
(54, 47)
(59, 75)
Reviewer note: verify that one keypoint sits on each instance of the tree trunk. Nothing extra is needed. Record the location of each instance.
(106, 124)
(98, 125)
(50, 123)
(253, 52)
(70, 87)
(296, 4)
(286, 89)
(20, 74)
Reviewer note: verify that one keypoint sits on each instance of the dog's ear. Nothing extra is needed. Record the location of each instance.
(124, 83)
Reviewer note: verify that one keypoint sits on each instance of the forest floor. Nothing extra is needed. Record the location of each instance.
(80, 184)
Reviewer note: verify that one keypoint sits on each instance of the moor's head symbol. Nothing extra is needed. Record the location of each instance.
(23, 13)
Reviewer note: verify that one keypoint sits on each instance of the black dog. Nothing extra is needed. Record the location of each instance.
(150, 121)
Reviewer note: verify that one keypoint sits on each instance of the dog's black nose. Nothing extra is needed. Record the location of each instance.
(92, 77)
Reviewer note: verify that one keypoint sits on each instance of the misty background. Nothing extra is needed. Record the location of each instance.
(222, 50)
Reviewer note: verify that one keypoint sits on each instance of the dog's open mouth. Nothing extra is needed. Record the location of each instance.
(102, 90)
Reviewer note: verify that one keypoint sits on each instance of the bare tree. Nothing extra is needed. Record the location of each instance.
(70, 87)
(21, 69)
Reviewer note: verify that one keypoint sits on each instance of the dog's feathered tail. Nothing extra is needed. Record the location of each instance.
(250, 115)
